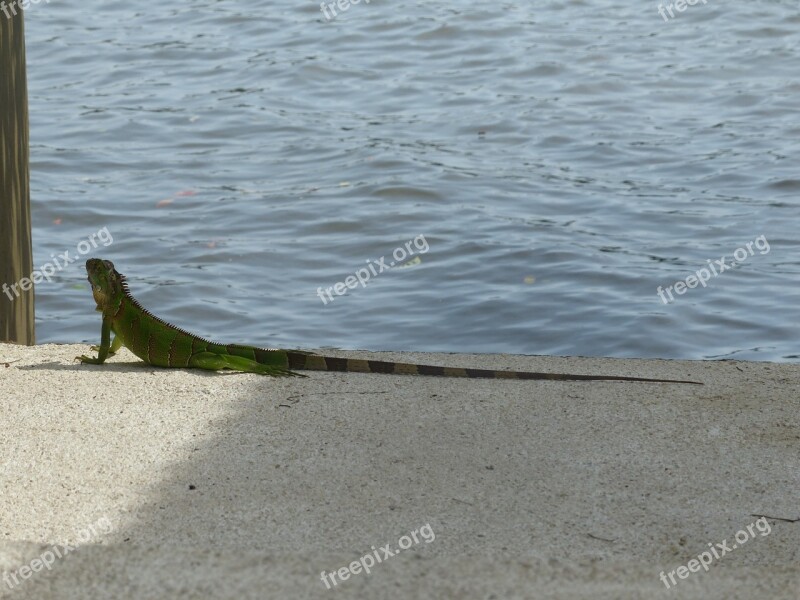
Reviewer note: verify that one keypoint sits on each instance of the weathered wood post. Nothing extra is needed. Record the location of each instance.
(16, 255)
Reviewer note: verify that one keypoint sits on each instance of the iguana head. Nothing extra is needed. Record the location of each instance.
(107, 284)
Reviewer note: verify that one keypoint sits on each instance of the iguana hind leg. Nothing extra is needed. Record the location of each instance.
(215, 362)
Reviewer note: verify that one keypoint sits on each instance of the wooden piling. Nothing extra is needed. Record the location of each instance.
(16, 253)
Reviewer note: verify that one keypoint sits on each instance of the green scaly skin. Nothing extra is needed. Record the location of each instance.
(163, 345)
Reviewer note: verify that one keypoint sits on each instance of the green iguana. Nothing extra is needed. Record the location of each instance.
(163, 345)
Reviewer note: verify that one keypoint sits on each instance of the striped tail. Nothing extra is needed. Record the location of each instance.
(312, 362)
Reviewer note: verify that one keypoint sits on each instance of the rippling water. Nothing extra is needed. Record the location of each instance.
(562, 160)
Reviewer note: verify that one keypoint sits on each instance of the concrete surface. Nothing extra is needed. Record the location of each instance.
(189, 484)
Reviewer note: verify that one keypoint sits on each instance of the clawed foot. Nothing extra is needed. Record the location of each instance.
(88, 359)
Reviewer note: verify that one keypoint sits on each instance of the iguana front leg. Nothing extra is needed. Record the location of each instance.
(116, 344)
(105, 345)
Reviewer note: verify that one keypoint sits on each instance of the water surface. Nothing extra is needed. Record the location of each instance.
(562, 160)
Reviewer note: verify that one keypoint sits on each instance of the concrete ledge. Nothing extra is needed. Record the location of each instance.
(240, 486)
